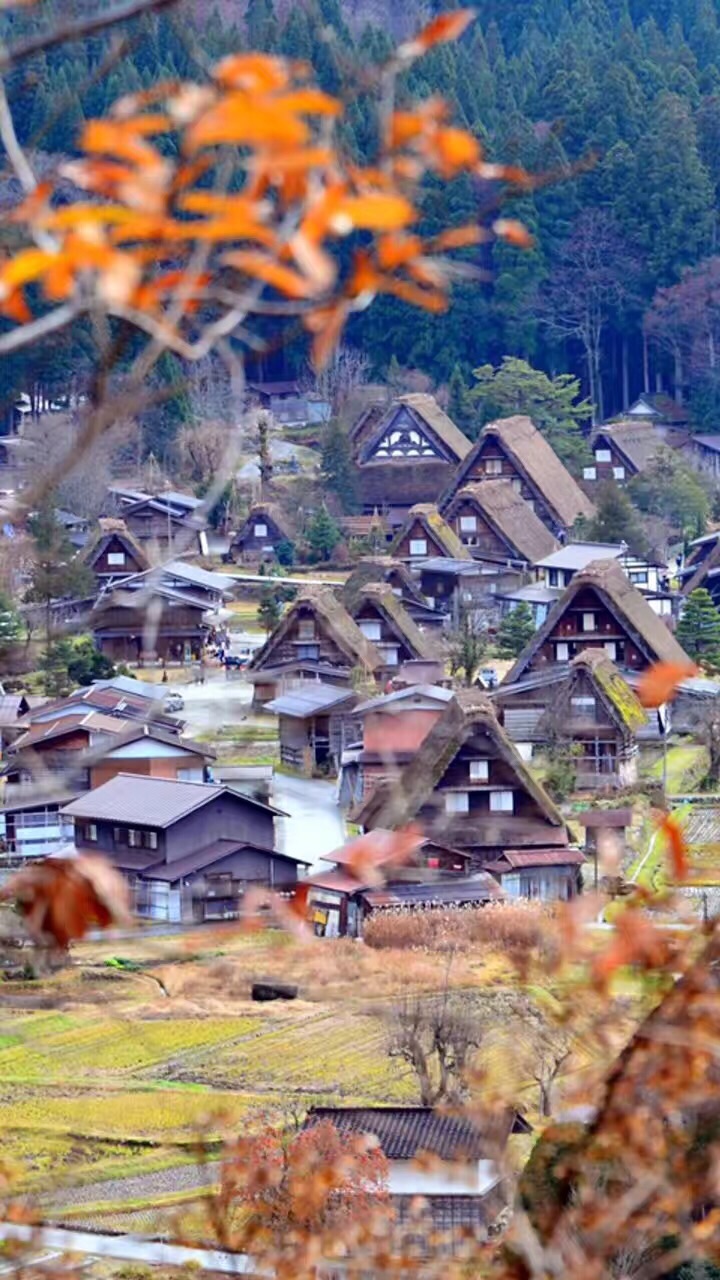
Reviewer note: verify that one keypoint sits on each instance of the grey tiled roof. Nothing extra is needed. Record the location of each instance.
(404, 1131)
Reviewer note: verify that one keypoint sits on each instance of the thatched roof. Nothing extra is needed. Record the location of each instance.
(266, 511)
(399, 482)
(622, 701)
(437, 529)
(510, 516)
(379, 569)
(110, 527)
(335, 619)
(429, 416)
(382, 596)
(699, 565)
(627, 605)
(470, 710)
(639, 443)
(535, 459)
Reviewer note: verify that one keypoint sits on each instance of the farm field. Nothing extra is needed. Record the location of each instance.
(119, 1081)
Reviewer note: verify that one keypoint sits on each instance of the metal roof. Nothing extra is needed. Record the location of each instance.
(577, 555)
(451, 892)
(535, 594)
(206, 857)
(152, 802)
(435, 692)
(708, 442)
(460, 568)
(308, 700)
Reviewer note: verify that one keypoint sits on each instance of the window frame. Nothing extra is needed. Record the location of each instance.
(501, 795)
(415, 543)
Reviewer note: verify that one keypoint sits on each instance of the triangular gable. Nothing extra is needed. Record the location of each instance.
(378, 597)
(116, 541)
(414, 428)
(424, 523)
(330, 617)
(263, 513)
(504, 514)
(615, 593)
(593, 672)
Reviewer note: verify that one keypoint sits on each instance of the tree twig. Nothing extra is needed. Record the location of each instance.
(79, 30)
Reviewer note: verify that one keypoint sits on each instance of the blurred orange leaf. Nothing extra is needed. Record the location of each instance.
(280, 277)
(659, 684)
(373, 212)
(252, 71)
(457, 149)
(236, 118)
(446, 27)
(459, 237)
(675, 838)
(514, 232)
(62, 899)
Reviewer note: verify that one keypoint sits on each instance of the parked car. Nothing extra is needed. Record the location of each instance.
(489, 677)
(174, 702)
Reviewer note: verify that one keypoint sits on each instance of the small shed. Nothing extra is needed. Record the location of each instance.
(316, 724)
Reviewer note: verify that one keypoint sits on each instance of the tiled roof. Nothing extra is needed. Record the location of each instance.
(518, 858)
(154, 802)
(405, 1131)
(206, 857)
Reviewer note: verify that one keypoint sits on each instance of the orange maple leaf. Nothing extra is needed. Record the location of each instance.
(659, 684)
(446, 27)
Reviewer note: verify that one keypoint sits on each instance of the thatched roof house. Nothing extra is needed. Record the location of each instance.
(405, 452)
(265, 526)
(425, 534)
(317, 630)
(113, 553)
(382, 618)
(492, 519)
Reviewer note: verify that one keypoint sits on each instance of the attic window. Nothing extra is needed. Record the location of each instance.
(619, 473)
(116, 557)
(389, 654)
(306, 629)
(479, 770)
(588, 622)
(603, 455)
(589, 473)
(502, 801)
(370, 628)
(457, 802)
(418, 547)
(468, 524)
(493, 466)
(261, 531)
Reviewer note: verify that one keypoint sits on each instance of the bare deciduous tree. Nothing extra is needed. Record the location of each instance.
(83, 487)
(201, 450)
(436, 1038)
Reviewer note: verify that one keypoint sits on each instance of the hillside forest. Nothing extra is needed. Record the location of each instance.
(613, 105)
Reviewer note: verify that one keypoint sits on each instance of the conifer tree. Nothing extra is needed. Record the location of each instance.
(337, 466)
(322, 534)
(460, 406)
(698, 630)
(515, 630)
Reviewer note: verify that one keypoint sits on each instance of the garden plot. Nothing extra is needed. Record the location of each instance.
(702, 833)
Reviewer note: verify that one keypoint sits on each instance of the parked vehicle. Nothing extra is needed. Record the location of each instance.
(489, 677)
(174, 702)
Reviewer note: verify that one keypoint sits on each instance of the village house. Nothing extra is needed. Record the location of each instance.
(189, 850)
(513, 449)
(120, 696)
(626, 449)
(600, 609)
(257, 539)
(113, 554)
(405, 453)
(445, 1175)
(494, 522)
(85, 750)
(467, 786)
(374, 530)
(704, 453)
(702, 566)
(13, 708)
(393, 727)
(125, 629)
(426, 535)
(451, 586)
(557, 570)
(384, 620)
(588, 706)
(659, 409)
(315, 723)
(206, 587)
(315, 639)
(168, 524)
(437, 877)
(400, 580)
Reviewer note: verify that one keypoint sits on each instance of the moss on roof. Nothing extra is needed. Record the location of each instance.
(603, 672)
(383, 596)
(437, 528)
(378, 569)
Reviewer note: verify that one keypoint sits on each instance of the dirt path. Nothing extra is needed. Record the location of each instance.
(140, 1186)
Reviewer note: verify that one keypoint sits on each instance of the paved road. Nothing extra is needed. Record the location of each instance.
(140, 1186)
(131, 1249)
(315, 826)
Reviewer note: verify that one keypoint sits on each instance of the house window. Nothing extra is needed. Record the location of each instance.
(588, 622)
(502, 801)
(583, 705)
(468, 524)
(562, 652)
(134, 838)
(418, 547)
(306, 629)
(116, 557)
(619, 473)
(493, 466)
(639, 578)
(610, 648)
(552, 577)
(389, 654)
(479, 770)
(150, 839)
(89, 832)
(370, 628)
(603, 455)
(589, 473)
(311, 652)
(457, 802)
(516, 485)
(261, 531)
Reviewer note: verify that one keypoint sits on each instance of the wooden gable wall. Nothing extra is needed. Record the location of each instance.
(102, 566)
(574, 632)
(405, 436)
(482, 538)
(493, 462)
(604, 468)
(418, 531)
(306, 639)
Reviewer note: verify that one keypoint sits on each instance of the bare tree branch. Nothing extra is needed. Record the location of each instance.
(78, 30)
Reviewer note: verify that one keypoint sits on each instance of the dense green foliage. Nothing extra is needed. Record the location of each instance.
(322, 534)
(671, 489)
(336, 466)
(618, 99)
(515, 630)
(699, 629)
(554, 405)
(616, 521)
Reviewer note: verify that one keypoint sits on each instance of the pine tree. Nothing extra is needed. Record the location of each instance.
(337, 466)
(269, 610)
(554, 405)
(322, 534)
(699, 628)
(615, 521)
(460, 406)
(515, 630)
(393, 377)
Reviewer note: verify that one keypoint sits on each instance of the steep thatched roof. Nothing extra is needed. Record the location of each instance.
(109, 528)
(437, 529)
(334, 617)
(698, 566)
(535, 459)
(266, 511)
(511, 517)
(379, 569)
(470, 710)
(640, 443)
(622, 701)
(385, 600)
(624, 601)
(433, 420)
